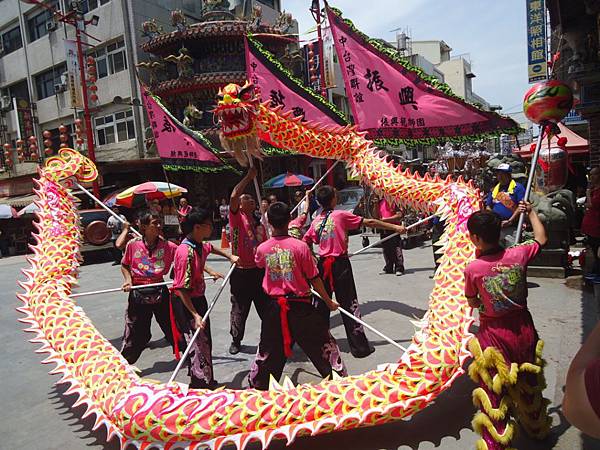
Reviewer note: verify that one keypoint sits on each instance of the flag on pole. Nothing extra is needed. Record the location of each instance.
(391, 99)
(179, 147)
(275, 83)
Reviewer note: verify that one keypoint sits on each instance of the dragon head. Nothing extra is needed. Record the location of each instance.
(236, 110)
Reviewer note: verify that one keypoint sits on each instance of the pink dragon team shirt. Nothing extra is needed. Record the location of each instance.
(245, 236)
(500, 279)
(147, 265)
(288, 265)
(334, 237)
(385, 210)
(190, 259)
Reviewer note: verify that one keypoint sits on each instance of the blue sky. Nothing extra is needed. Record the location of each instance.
(493, 33)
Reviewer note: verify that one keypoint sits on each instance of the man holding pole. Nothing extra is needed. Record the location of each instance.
(290, 315)
(190, 306)
(246, 278)
(504, 199)
(329, 231)
(146, 261)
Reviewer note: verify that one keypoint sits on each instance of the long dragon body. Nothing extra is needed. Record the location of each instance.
(148, 414)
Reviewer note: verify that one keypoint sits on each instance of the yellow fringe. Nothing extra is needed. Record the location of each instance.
(481, 420)
(482, 400)
(482, 445)
(508, 377)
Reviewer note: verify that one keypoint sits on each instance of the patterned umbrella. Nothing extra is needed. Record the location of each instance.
(151, 190)
(289, 179)
(111, 199)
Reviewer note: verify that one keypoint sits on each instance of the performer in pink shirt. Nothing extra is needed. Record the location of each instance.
(189, 305)
(184, 209)
(291, 315)
(330, 232)
(496, 283)
(392, 248)
(246, 233)
(146, 260)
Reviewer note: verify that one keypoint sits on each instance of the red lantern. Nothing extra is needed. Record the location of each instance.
(20, 142)
(78, 122)
(63, 145)
(548, 101)
(62, 128)
(93, 88)
(64, 137)
(90, 60)
(32, 148)
(21, 158)
(92, 79)
(6, 147)
(48, 151)
(562, 142)
(79, 141)
(48, 142)
(47, 134)
(94, 97)
(33, 156)
(32, 139)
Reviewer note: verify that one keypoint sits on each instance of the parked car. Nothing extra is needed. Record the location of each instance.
(94, 228)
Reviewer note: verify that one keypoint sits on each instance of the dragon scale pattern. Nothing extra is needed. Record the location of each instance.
(148, 414)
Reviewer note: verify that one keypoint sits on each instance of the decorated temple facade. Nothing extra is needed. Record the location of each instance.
(188, 65)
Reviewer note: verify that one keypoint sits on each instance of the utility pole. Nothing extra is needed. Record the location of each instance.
(315, 10)
(75, 18)
(86, 109)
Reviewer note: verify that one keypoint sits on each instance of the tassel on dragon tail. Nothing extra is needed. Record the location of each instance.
(152, 415)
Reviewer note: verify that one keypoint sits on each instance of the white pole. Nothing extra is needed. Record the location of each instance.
(195, 336)
(390, 236)
(364, 324)
(139, 286)
(112, 213)
(534, 160)
(314, 186)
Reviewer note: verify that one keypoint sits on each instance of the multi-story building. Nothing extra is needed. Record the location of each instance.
(456, 70)
(32, 77)
(576, 38)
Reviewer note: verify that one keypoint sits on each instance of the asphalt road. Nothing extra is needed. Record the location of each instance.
(37, 415)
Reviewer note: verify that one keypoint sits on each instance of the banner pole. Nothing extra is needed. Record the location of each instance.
(534, 160)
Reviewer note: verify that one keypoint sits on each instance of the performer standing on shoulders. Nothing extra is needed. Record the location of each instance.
(330, 231)
(290, 315)
(190, 304)
(146, 261)
(245, 235)
(496, 282)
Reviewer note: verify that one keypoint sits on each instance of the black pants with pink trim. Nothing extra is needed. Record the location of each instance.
(346, 296)
(308, 328)
(200, 366)
(246, 288)
(138, 321)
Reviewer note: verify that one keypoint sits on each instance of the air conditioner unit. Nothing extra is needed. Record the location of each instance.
(5, 102)
(51, 25)
(60, 87)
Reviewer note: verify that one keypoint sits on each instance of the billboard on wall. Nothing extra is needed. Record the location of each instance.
(537, 54)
